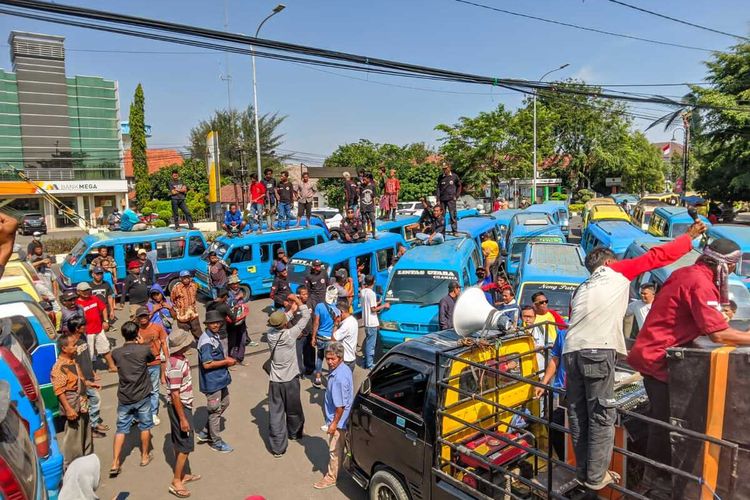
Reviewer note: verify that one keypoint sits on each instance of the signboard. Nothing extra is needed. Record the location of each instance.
(214, 172)
(17, 188)
(613, 181)
(540, 182)
(430, 273)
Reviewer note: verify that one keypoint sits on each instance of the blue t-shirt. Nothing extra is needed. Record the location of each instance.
(339, 393)
(557, 351)
(210, 349)
(325, 327)
(128, 220)
(230, 218)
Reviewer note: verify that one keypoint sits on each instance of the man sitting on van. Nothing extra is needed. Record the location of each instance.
(351, 228)
(130, 221)
(233, 223)
(434, 229)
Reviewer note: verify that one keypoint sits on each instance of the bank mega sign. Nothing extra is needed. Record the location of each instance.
(85, 187)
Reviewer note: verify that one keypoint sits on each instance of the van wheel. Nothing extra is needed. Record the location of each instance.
(246, 291)
(171, 285)
(386, 486)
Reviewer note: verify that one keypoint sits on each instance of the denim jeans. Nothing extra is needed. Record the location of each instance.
(371, 336)
(320, 349)
(436, 240)
(154, 373)
(140, 411)
(216, 403)
(285, 213)
(256, 212)
(95, 404)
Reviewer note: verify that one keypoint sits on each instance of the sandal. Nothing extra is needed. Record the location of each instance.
(115, 471)
(148, 460)
(183, 493)
(609, 478)
(191, 478)
(102, 428)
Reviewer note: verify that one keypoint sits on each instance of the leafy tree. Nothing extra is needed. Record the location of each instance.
(137, 122)
(724, 147)
(237, 133)
(644, 167)
(195, 176)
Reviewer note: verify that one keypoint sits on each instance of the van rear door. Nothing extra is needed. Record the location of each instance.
(388, 424)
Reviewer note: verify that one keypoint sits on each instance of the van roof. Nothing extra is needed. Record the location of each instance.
(447, 255)
(738, 233)
(401, 220)
(14, 297)
(274, 236)
(678, 214)
(607, 210)
(522, 230)
(136, 235)
(543, 261)
(336, 250)
(425, 347)
(477, 224)
(598, 201)
(617, 228)
(505, 215)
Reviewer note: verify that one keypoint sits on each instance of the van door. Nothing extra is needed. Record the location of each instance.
(383, 259)
(388, 424)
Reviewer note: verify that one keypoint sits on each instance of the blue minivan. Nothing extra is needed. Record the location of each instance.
(555, 213)
(417, 283)
(15, 368)
(502, 218)
(406, 225)
(175, 251)
(671, 222)
(475, 227)
(36, 333)
(526, 228)
(252, 255)
(617, 235)
(372, 256)
(739, 234)
(563, 214)
(556, 269)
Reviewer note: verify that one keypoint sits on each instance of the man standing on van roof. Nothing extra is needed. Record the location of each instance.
(367, 199)
(448, 191)
(351, 192)
(447, 305)
(177, 194)
(593, 341)
(305, 195)
(286, 199)
(269, 183)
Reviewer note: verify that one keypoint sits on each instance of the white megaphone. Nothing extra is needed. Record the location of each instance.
(473, 313)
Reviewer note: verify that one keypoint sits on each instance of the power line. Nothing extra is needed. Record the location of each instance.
(584, 28)
(681, 21)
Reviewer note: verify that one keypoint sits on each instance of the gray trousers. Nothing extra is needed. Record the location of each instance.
(285, 416)
(590, 393)
(77, 440)
(216, 403)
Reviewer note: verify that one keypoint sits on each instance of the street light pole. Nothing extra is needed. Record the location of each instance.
(275, 11)
(533, 180)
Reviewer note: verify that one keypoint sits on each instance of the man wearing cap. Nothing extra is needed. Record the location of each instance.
(147, 267)
(286, 418)
(155, 336)
(107, 263)
(103, 290)
(217, 273)
(687, 307)
(237, 329)
(180, 410)
(160, 307)
(185, 299)
(214, 380)
(280, 288)
(36, 241)
(97, 322)
(316, 281)
(70, 309)
(136, 287)
(220, 305)
(324, 321)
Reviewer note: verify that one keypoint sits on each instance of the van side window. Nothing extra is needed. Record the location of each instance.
(384, 256)
(364, 264)
(401, 383)
(268, 251)
(241, 254)
(24, 332)
(95, 253)
(467, 282)
(196, 246)
(477, 260)
(294, 246)
(318, 240)
(170, 249)
(395, 230)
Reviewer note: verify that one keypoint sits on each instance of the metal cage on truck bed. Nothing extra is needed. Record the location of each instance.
(494, 440)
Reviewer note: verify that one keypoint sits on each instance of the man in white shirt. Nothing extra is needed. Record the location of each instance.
(638, 310)
(370, 308)
(346, 333)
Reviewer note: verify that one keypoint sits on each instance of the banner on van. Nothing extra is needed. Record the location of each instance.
(555, 287)
(538, 239)
(431, 273)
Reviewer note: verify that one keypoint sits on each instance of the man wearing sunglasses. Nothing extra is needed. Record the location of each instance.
(540, 303)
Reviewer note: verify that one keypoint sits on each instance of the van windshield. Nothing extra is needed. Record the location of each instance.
(680, 228)
(76, 253)
(558, 295)
(419, 286)
(218, 247)
(519, 244)
(743, 268)
(298, 269)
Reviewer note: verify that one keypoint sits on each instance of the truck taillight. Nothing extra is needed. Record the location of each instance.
(10, 486)
(22, 373)
(41, 439)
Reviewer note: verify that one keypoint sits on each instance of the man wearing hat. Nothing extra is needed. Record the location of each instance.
(135, 288)
(214, 380)
(180, 409)
(147, 267)
(351, 191)
(687, 307)
(36, 241)
(237, 329)
(154, 335)
(70, 309)
(97, 322)
(286, 418)
(185, 299)
(316, 281)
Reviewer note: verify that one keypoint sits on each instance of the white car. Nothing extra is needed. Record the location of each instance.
(409, 208)
(331, 216)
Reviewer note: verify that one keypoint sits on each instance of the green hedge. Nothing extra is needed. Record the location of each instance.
(576, 207)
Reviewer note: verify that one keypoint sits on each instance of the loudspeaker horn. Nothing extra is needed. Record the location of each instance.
(473, 313)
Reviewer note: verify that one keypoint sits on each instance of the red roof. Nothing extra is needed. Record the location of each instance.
(156, 158)
(228, 194)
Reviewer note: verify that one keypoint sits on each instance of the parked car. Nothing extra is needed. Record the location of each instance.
(32, 222)
(409, 208)
(331, 216)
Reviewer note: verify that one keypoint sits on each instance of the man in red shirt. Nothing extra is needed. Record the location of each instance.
(257, 199)
(687, 307)
(97, 322)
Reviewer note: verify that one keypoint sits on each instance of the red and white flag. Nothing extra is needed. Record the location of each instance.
(666, 149)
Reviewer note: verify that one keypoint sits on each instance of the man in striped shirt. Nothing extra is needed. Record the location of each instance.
(180, 409)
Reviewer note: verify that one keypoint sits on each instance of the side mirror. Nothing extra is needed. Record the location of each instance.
(365, 390)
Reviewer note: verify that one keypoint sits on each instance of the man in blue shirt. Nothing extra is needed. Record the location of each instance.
(214, 380)
(131, 222)
(556, 369)
(324, 321)
(338, 404)
(233, 223)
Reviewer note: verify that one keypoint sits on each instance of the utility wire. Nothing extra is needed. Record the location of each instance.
(584, 28)
(681, 21)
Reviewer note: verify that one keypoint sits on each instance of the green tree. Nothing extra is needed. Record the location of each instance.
(195, 176)
(237, 134)
(137, 122)
(724, 147)
(644, 167)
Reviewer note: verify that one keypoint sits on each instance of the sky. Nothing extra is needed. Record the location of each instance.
(325, 108)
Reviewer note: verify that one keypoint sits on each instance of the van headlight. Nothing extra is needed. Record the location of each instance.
(389, 325)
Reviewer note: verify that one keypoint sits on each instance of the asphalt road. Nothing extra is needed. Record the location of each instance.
(250, 469)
